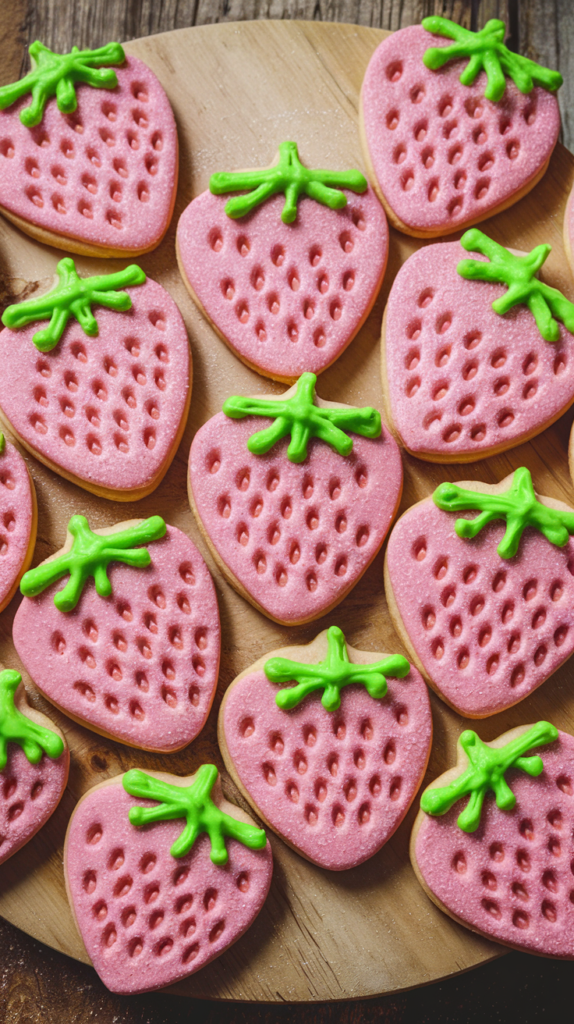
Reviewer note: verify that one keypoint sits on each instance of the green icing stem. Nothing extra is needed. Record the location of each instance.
(290, 177)
(57, 74)
(73, 296)
(486, 52)
(18, 728)
(193, 803)
(302, 419)
(519, 506)
(518, 273)
(2, 444)
(332, 674)
(90, 555)
(486, 769)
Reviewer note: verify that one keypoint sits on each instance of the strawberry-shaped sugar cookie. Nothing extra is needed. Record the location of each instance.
(474, 360)
(18, 520)
(101, 393)
(332, 761)
(34, 763)
(133, 655)
(455, 127)
(486, 609)
(286, 280)
(88, 152)
(492, 843)
(294, 521)
(154, 904)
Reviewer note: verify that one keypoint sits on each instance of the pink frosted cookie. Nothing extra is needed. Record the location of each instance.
(293, 524)
(485, 610)
(92, 169)
(442, 154)
(333, 773)
(18, 520)
(134, 656)
(286, 290)
(468, 369)
(492, 844)
(104, 406)
(34, 764)
(156, 904)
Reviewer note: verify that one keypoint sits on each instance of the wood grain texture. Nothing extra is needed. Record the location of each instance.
(313, 940)
(540, 29)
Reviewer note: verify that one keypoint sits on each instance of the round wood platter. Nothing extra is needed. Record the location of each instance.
(238, 90)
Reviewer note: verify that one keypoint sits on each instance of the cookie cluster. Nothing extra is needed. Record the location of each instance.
(294, 496)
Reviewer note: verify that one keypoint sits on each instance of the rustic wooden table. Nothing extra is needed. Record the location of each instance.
(39, 986)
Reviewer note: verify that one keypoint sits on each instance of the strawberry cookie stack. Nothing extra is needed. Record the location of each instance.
(294, 497)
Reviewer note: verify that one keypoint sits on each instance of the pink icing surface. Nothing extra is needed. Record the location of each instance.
(16, 514)
(511, 878)
(104, 174)
(335, 784)
(461, 378)
(148, 919)
(295, 536)
(106, 409)
(142, 664)
(29, 794)
(569, 221)
(487, 630)
(443, 154)
(287, 297)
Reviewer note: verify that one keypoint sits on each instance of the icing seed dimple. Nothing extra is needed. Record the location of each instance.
(90, 555)
(57, 74)
(518, 505)
(17, 728)
(73, 296)
(518, 273)
(486, 52)
(332, 674)
(302, 419)
(485, 771)
(289, 177)
(193, 803)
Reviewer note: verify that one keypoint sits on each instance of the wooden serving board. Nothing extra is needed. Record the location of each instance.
(238, 90)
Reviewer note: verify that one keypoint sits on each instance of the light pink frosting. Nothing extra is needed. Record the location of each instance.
(287, 297)
(461, 378)
(29, 794)
(142, 664)
(442, 154)
(104, 174)
(16, 515)
(335, 784)
(511, 879)
(488, 630)
(106, 409)
(148, 919)
(296, 536)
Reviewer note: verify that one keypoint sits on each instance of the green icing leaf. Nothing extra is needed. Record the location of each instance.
(486, 52)
(302, 419)
(290, 177)
(518, 273)
(486, 769)
(57, 74)
(18, 728)
(193, 803)
(90, 555)
(332, 674)
(73, 296)
(519, 506)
